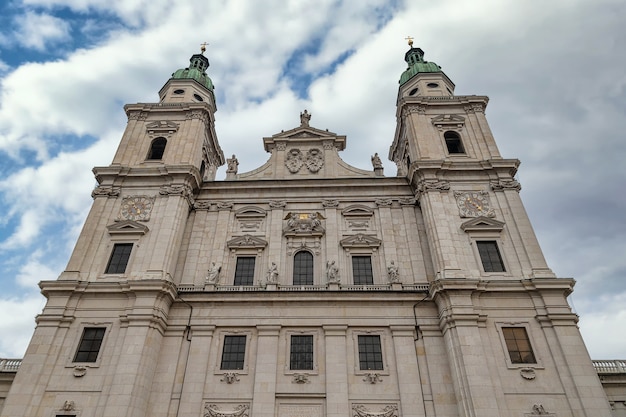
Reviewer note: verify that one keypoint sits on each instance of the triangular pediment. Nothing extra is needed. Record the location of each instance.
(482, 224)
(357, 210)
(246, 241)
(360, 241)
(448, 121)
(304, 132)
(305, 135)
(127, 227)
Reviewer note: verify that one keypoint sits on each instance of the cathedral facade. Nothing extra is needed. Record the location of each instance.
(307, 287)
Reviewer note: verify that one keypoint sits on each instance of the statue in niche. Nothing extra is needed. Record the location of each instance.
(332, 272)
(392, 272)
(233, 164)
(305, 117)
(272, 274)
(376, 162)
(213, 274)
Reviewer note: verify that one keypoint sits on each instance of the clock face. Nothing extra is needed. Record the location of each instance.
(136, 208)
(474, 204)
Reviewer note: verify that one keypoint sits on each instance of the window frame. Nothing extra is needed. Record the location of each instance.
(151, 149)
(243, 354)
(371, 268)
(318, 351)
(505, 351)
(249, 352)
(77, 339)
(307, 345)
(293, 272)
(456, 136)
(496, 244)
(383, 348)
(242, 256)
(112, 252)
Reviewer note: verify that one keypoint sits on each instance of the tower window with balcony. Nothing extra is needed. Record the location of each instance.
(453, 143)
(301, 356)
(157, 148)
(362, 270)
(234, 352)
(90, 344)
(244, 270)
(490, 256)
(119, 258)
(303, 268)
(518, 345)
(370, 353)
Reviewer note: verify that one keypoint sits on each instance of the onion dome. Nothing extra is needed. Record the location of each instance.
(198, 65)
(415, 58)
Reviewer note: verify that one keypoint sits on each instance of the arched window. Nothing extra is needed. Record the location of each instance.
(453, 142)
(157, 148)
(303, 268)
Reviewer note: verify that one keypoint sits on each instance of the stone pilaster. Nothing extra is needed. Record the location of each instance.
(264, 397)
(337, 373)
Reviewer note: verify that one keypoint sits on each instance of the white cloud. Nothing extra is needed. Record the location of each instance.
(38, 30)
(17, 323)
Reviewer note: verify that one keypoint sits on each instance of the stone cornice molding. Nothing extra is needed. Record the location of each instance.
(501, 185)
(105, 191)
(182, 190)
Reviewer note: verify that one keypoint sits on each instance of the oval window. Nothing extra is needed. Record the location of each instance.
(412, 92)
(197, 97)
(179, 91)
(432, 85)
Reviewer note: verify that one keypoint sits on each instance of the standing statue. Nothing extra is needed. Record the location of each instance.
(305, 117)
(272, 274)
(213, 274)
(233, 165)
(332, 272)
(376, 162)
(392, 272)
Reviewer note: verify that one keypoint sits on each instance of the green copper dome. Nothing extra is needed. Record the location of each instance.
(415, 58)
(196, 71)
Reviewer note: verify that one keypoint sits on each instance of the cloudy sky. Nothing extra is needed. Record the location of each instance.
(555, 72)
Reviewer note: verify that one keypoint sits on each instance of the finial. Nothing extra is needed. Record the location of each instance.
(410, 41)
(203, 47)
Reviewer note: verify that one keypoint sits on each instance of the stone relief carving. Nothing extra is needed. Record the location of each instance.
(304, 222)
(79, 371)
(501, 185)
(293, 160)
(314, 160)
(68, 406)
(416, 108)
(276, 204)
(359, 410)
(230, 377)
(202, 204)
(198, 114)
(301, 379)
(281, 146)
(224, 205)
(528, 373)
(332, 272)
(538, 410)
(372, 378)
(105, 191)
(383, 202)
(183, 190)
(137, 115)
(392, 272)
(330, 203)
(407, 201)
(474, 108)
(358, 225)
(328, 144)
(212, 410)
(448, 121)
(161, 128)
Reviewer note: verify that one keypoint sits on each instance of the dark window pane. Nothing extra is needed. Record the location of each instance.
(90, 343)
(370, 353)
(301, 352)
(453, 142)
(244, 271)
(234, 352)
(490, 256)
(518, 345)
(157, 148)
(362, 270)
(303, 268)
(119, 258)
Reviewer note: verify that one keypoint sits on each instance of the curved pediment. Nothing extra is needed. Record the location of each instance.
(357, 210)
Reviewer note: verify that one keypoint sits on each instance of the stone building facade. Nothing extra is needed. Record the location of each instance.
(307, 287)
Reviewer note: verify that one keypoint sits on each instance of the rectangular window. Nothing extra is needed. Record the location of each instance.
(244, 271)
(90, 343)
(490, 256)
(518, 345)
(370, 353)
(362, 270)
(301, 352)
(119, 258)
(234, 352)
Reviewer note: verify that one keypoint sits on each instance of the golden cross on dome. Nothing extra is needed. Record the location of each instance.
(203, 46)
(410, 40)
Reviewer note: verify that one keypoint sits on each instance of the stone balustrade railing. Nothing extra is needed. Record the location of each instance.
(10, 365)
(604, 367)
(293, 288)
